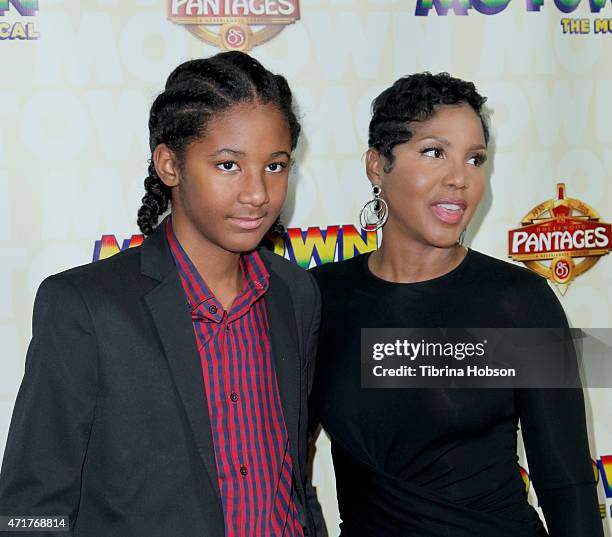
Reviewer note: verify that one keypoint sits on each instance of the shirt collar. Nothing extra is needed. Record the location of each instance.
(256, 278)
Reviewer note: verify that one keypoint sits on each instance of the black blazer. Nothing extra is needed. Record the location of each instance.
(111, 424)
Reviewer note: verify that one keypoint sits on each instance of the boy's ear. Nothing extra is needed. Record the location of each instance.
(375, 166)
(166, 165)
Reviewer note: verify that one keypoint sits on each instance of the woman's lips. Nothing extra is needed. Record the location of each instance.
(247, 223)
(449, 212)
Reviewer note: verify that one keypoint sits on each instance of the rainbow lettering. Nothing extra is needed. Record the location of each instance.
(602, 471)
(567, 6)
(302, 246)
(321, 245)
(12, 31)
(26, 8)
(108, 246)
(493, 7)
(596, 472)
(525, 477)
(605, 471)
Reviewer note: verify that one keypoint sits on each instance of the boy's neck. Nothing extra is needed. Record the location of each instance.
(219, 268)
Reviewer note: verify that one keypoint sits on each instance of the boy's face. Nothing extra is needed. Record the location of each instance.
(233, 182)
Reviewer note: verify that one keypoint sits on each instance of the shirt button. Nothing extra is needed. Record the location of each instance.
(243, 470)
(234, 396)
(212, 309)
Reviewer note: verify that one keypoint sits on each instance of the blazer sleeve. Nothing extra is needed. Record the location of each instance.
(554, 430)
(314, 505)
(313, 333)
(54, 409)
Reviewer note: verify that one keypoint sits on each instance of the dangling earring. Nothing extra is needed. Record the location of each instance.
(374, 213)
(462, 237)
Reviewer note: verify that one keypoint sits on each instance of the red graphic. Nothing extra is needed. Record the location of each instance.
(560, 230)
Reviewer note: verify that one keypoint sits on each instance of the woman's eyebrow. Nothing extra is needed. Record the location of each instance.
(443, 141)
(477, 146)
(447, 143)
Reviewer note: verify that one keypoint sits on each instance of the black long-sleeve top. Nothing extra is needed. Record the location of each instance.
(443, 462)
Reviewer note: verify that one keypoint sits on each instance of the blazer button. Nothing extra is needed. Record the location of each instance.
(212, 309)
(243, 470)
(234, 397)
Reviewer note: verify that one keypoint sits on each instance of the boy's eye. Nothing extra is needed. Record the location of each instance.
(276, 167)
(228, 166)
(434, 152)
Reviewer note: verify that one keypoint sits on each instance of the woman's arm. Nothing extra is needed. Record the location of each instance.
(553, 424)
(555, 437)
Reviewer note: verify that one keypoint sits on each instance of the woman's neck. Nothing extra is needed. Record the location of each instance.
(414, 262)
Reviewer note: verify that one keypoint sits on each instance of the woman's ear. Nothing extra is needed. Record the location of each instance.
(375, 164)
(166, 165)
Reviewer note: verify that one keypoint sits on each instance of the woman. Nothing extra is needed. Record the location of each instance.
(441, 462)
(165, 388)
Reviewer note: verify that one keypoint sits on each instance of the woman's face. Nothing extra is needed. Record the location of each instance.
(437, 179)
(233, 181)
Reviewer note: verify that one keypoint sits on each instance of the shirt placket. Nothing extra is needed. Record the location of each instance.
(231, 378)
(246, 464)
(211, 312)
(240, 468)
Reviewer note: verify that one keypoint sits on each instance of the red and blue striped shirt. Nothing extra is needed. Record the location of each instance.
(250, 438)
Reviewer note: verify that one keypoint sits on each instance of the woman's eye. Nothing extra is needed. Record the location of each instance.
(228, 166)
(434, 152)
(276, 167)
(478, 160)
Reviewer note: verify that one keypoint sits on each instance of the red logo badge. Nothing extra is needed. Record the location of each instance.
(557, 233)
(234, 24)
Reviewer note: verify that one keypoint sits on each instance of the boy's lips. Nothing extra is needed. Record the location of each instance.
(247, 222)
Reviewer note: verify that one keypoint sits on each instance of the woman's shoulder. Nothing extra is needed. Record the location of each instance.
(333, 274)
(516, 289)
(491, 269)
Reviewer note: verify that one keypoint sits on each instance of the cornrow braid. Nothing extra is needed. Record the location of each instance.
(154, 202)
(194, 92)
(414, 98)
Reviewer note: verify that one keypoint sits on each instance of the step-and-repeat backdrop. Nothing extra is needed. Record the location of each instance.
(77, 79)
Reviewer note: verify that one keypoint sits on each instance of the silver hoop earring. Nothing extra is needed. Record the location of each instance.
(375, 212)
(461, 237)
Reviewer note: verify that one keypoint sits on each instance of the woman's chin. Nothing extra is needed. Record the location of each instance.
(444, 242)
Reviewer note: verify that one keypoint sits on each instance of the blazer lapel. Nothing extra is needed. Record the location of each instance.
(284, 341)
(168, 307)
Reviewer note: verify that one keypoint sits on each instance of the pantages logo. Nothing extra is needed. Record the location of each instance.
(559, 231)
(234, 24)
